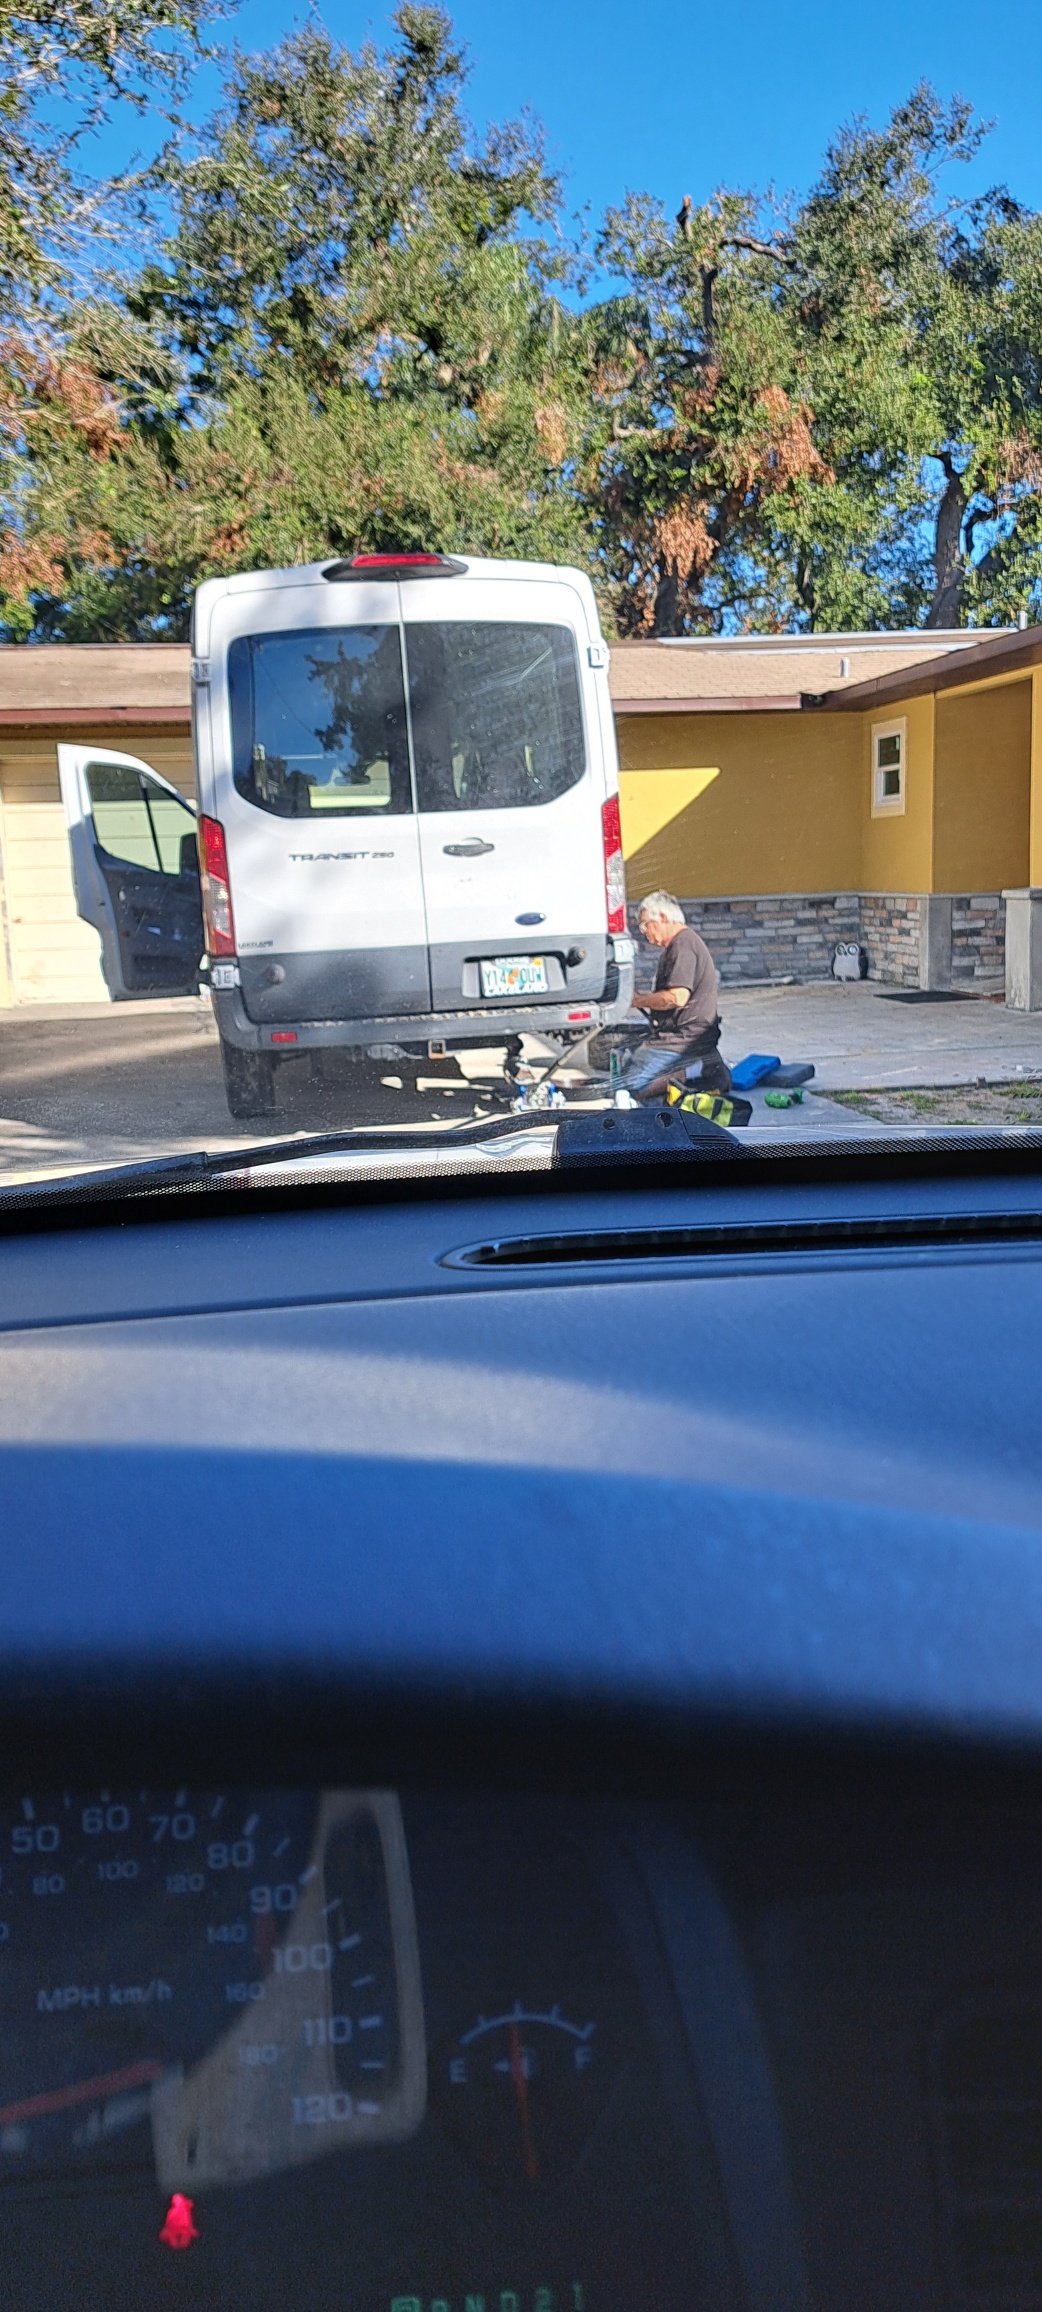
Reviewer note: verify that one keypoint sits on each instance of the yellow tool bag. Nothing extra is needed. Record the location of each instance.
(716, 1107)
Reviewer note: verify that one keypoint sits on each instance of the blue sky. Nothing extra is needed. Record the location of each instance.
(683, 98)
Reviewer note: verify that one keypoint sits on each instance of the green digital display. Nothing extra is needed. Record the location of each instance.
(571, 2298)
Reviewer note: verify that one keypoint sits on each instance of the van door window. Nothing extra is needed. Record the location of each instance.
(496, 716)
(173, 832)
(121, 818)
(319, 724)
(146, 903)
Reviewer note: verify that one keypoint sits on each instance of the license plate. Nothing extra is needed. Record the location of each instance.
(516, 975)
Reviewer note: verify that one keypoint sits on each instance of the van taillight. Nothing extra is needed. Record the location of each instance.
(396, 561)
(394, 566)
(217, 898)
(614, 868)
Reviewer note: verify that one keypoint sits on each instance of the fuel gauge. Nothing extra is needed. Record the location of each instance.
(520, 2092)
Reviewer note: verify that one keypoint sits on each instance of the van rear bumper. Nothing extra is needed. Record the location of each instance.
(413, 1030)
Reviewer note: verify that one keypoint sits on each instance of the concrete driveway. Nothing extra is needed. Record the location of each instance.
(95, 1084)
(861, 1036)
(99, 1084)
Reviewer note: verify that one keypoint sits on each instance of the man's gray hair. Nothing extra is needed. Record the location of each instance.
(663, 904)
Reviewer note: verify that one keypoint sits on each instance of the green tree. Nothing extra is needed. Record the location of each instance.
(62, 65)
(705, 420)
(355, 338)
(916, 321)
(831, 418)
(363, 331)
(985, 339)
(339, 213)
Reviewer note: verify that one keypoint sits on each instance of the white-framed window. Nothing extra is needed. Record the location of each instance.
(889, 766)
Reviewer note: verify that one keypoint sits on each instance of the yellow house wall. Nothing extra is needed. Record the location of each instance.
(1035, 815)
(717, 804)
(896, 853)
(982, 789)
(51, 956)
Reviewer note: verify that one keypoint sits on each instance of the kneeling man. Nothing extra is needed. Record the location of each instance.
(683, 1020)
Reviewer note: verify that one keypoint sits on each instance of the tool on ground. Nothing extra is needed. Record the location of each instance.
(761, 1068)
(753, 1069)
(785, 1079)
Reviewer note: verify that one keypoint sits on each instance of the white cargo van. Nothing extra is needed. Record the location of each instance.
(409, 820)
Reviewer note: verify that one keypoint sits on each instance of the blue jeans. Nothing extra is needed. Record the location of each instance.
(646, 1065)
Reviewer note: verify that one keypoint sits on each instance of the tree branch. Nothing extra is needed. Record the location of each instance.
(710, 275)
(757, 248)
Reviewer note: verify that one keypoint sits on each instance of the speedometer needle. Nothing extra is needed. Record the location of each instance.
(520, 2079)
(84, 2091)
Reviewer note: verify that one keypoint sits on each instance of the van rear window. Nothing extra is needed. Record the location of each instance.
(496, 719)
(318, 722)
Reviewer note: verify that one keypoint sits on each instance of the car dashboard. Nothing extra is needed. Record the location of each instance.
(522, 1715)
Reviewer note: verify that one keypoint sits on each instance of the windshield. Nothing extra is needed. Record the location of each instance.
(490, 647)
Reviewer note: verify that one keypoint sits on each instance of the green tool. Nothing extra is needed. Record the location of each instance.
(782, 1099)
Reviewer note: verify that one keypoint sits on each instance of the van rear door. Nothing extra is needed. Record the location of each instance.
(509, 784)
(135, 871)
(317, 807)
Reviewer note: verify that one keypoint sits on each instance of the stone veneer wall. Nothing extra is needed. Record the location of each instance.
(774, 936)
(978, 937)
(794, 935)
(890, 933)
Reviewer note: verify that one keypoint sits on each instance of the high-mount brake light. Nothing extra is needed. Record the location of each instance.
(394, 566)
(395, 561)
(614, 865)
(216, 890)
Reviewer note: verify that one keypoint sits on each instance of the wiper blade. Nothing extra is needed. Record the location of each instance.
(583, 1137)
(579, 1140)
(202, 1167)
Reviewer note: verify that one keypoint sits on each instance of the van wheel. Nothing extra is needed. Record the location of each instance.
(249, 1081)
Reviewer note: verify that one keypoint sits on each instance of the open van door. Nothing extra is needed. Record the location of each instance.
(135, 871)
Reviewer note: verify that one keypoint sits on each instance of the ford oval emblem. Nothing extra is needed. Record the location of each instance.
(529, 919)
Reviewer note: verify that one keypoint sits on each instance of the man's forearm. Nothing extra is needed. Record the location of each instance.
(662, 999)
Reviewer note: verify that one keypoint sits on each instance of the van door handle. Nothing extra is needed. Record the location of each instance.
(475, 849)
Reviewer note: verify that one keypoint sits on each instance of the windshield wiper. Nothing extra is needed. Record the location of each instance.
(203, 1167)
(582, 1138)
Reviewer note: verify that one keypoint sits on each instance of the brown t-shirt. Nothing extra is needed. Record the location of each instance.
(686, 962)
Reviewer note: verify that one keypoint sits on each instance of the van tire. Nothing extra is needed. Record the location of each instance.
(249, 1081)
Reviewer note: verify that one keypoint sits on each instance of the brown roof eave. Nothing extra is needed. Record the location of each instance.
(67, 721)
(782, 702)
(953, 670)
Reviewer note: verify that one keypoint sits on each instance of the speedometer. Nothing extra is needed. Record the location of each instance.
(212, 1984)
(213, 2060)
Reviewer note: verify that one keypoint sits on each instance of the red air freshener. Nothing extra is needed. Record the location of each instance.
(179, 2230)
